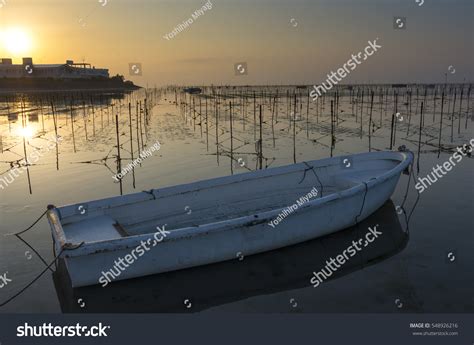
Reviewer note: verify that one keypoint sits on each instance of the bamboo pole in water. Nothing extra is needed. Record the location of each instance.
(141, 125)
(460, 107)
(452, 115)
(194, 114)
(419, 139)
(200, 115)
(242, 107)
(370, 120)
(273, 126)
(119, 161)
(85, 118)
(260, 150)
(137, 128)
(72, 127)
(42, 113)
(307, 117)
(440, 123)
(145, 115)
(231, 140)
(55, 135)
(409, 112)
(424, 101)
(396, 120)
(131, 141)
(381, 104)
(391, 131)
(217, 127)
(361, 113)
(317, 109)
(207, 130)
(356, 101)
(101, 113)
(254, 117)
(25, 151)
(332, 127)
(93, 117)
(294, 131)
(467, 109)
(276, 112)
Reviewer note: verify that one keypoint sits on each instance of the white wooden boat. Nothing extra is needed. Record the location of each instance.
(221, 283)
(220, 219)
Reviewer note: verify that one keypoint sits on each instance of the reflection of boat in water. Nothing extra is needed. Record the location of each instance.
(212, 285)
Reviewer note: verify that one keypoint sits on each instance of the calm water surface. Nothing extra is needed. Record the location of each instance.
(407, 270)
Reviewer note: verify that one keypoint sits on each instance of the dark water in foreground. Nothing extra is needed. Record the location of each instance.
(402, 271)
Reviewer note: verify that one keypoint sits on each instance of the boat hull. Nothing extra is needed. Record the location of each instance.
(236, 242)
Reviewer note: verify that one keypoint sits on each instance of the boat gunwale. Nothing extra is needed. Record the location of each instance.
(405, 158)
(164, 192)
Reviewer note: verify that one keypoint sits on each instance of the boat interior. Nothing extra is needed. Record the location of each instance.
(231, 197)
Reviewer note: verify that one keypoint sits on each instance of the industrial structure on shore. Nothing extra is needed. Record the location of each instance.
(68, 70)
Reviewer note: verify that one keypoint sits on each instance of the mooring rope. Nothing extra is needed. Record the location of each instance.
(38, 276)
(17, 235)
(416, 202)
(412, 175)
(28, 228)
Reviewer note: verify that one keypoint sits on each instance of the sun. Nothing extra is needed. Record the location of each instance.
(16, 41)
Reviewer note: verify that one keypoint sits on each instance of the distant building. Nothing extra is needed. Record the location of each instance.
(69, 70)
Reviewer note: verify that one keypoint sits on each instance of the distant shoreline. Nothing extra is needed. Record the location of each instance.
(27, 85)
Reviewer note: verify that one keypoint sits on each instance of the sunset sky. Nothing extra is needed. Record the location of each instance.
(283, 42)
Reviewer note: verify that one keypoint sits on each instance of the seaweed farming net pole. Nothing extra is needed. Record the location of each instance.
(216, 104)
(468, 103)
(93, 117)
(307, 117)
(141, 125)
(409, 112)
(273, 123)
(396, 120)
(25, 152)
(460, 108)
(200, 115)
(131, 141)
(207, 130)
(119, 162)
(231, 140)
(294, 130)
(440, 123)
(137, 127)
(85, 118)
(72, 126)
(56, 135)
(452, 116)
(332, 127)
(419, 139)
(391, 131)
(370, 120)
(260, 142)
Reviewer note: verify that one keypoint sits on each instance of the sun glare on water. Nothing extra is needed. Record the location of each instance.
(15, 41)
(26, 132)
